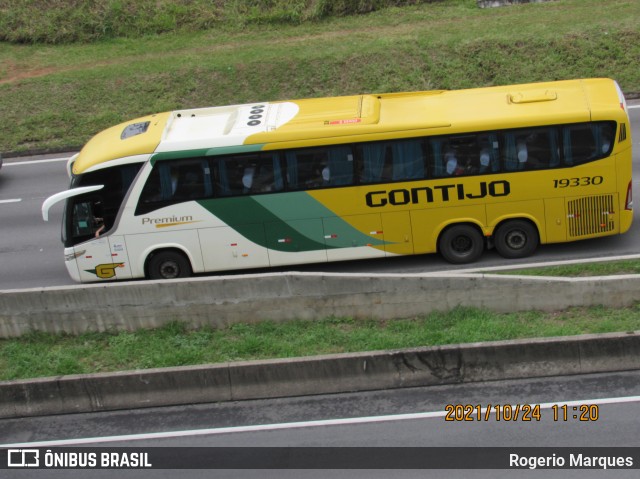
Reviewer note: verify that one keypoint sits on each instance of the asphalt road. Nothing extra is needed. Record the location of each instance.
(31, 252)
(401, 418)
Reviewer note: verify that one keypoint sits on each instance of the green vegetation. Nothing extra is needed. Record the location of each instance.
(40, 355)
(608, 268)
(64, 21)
(57, 95)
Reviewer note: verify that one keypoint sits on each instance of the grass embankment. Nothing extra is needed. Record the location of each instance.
(58, 96)
(40, 355)
(606, 268)
(66, 21)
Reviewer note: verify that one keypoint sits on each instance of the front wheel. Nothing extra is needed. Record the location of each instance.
(168, 265)
(516, 239)
(461, 244)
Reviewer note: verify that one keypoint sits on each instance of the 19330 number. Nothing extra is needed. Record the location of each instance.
(581, 181)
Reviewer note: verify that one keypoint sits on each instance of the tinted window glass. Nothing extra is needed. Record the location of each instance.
(392, 161)
(248, 174)
(319, 167)
(462, 155)
(106, 202)
(587, 142)
(174, 182)
(531, 149)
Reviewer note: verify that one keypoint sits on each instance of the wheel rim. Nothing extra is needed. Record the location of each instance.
(462, 245)
(516, 239)
(169, 270)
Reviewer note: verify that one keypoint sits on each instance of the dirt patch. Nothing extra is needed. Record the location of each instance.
(14, 73)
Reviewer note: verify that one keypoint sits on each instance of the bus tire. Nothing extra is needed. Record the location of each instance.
(516, 239)
(168, 265)
(461, 244)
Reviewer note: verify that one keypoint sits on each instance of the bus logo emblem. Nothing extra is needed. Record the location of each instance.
(105, 271)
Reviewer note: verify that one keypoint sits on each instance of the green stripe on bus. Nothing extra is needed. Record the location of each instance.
(293, 222)
(291, 206)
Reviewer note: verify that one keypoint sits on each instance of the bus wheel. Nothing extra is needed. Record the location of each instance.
(516, 239)
(168, 265)
(461, 244)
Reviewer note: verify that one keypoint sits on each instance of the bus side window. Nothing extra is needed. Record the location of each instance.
(554, 147)
(604, 133)
(578, 144)
(319, 167)
(151, 193)
(339, 169)
(488, 153)
(373, 157)
(307, 168)
(460, 156)
(454, 156)
(392, 161)
(188, 181)
(531, 149)
(541, 148)
(173, 182)
(247, 174)
(515, 152)
(438, 163)
(266, 174)
(221, 184)
(234, 175)
(408, 160)
(278, 171)
(583, 143)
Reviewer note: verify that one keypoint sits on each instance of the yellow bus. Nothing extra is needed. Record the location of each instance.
(364, 176)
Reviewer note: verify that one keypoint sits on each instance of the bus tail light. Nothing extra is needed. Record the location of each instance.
(629, 202)
(621, 98)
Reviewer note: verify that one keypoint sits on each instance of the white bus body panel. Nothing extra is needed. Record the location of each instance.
(173, 227)
(93, 261)
(224, 248)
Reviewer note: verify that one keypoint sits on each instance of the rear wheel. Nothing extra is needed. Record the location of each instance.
(461, 244)
(516, 239)
(168, 265)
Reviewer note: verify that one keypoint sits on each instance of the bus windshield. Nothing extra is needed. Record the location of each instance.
(96, 211)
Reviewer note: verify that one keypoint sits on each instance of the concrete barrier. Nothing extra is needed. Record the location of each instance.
(222, 301)
(321, 375)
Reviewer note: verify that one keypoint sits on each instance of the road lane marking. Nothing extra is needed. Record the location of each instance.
(14, 200)
(294, 425)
